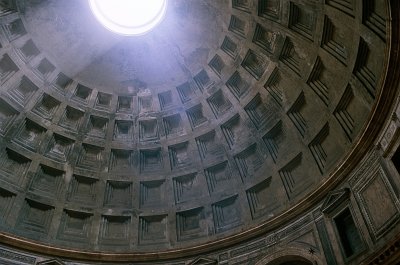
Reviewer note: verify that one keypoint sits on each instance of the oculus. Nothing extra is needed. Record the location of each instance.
(129, 17)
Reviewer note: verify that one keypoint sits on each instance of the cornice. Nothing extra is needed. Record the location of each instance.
(366, 142)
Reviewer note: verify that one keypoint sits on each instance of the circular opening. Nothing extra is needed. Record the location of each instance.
(129, 17)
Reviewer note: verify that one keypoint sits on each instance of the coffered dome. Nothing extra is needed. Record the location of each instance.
(227, 119)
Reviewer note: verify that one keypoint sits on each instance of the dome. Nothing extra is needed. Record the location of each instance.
(226, 122)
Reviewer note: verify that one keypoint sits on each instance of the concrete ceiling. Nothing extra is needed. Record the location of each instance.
(223, 118)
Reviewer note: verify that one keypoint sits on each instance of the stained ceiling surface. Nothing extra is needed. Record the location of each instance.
(222, 118)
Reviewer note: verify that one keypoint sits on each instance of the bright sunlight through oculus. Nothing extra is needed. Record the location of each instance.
(129, 17)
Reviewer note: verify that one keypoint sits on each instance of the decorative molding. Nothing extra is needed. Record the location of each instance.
(6, 254)
(334, 199)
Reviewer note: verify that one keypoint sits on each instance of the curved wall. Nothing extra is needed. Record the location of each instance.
(233, 161)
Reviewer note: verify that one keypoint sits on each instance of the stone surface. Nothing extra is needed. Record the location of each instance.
(226, 116)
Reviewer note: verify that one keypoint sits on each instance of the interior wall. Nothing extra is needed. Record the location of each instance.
(356, 222)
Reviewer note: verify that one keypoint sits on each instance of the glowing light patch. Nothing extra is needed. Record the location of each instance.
(129, 17)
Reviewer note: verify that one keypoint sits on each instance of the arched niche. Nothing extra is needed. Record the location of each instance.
(290, 260)
(296, 262)
(292, 256)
